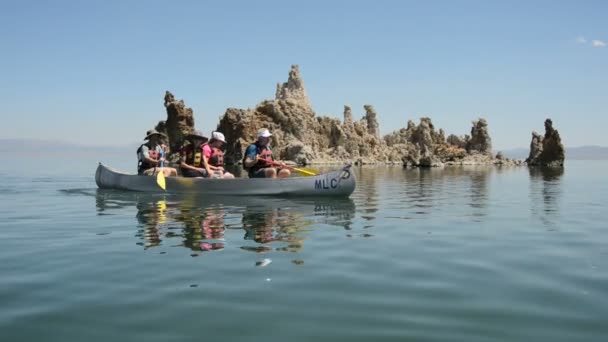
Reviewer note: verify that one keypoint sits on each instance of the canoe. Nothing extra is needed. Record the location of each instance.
(338, 183)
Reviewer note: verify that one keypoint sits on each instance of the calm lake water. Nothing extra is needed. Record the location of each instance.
(459, 254)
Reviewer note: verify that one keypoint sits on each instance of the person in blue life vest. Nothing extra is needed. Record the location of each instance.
(150, 156)
(257, 156)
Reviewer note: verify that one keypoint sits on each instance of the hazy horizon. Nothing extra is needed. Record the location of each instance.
(585, 152)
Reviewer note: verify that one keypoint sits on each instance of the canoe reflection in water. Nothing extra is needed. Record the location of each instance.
(202, 223)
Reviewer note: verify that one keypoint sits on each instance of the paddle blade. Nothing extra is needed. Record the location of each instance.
(160, 179)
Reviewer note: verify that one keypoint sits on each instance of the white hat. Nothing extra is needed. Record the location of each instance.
(218, 136)
(264, 133)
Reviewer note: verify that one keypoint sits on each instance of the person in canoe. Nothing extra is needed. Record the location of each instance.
(151, 156)
(203, 157)
(213, 156)
(257, 157)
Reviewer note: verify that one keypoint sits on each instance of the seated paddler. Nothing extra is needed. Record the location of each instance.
(151, 156)
(258, 160)
(192, 163)
(213, 156)
(204, 157)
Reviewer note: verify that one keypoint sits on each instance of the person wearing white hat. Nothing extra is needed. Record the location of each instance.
(151, 156)
(257, 157)
(213, 157)
(204, 157)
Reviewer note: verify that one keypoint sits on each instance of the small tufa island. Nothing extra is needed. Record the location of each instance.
(300, 136)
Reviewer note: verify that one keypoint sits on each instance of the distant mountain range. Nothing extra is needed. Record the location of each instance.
(59, 147)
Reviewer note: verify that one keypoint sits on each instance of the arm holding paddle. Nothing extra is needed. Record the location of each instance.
(303, 171)
(160, 177)
(149, 159)
(257, 156)
(263, 168)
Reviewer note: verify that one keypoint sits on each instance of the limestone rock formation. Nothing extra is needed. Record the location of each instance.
(547, 150)
(299, 135)
(348, 116)
(458, 141)
(293, 89)
(179, 123)
(480, 138)
(553, 150)
(536, 148)
(371, 118)
(422, 145)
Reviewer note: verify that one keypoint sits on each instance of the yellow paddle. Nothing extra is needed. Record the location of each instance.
(160, 177)
(306, 172)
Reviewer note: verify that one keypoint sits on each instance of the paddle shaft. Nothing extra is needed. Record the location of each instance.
(272, 162)
(160, 177)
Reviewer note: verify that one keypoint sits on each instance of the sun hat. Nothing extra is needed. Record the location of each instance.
(196, 134)
(152, 132)
(264, 133)
(218, 136)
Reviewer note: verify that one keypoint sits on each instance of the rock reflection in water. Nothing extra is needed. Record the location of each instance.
(429, 190)
(545, 192)
(479, 190)
(367, 184)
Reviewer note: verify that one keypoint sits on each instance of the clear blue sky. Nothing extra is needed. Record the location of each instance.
(95, 72)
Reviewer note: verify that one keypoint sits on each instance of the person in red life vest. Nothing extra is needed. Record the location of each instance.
(256, 156)
(191, 164)
(213, 157)
(150, 156)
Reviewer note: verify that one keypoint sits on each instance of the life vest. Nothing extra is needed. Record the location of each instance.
(142, 163)
(194, 156)
(217, 156)
(263, 152)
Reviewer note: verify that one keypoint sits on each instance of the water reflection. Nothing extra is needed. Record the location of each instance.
(150, 217)
(419, 189)
(426, 191)
(201, 223)
(478, 180)
(545, 192)
(265, 225)
(367, 194)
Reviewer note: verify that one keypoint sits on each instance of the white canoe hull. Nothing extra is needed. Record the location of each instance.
(335, 183)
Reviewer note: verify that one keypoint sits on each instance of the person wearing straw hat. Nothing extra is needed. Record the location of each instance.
(192, 161)
(150, 155)
(257, 155)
